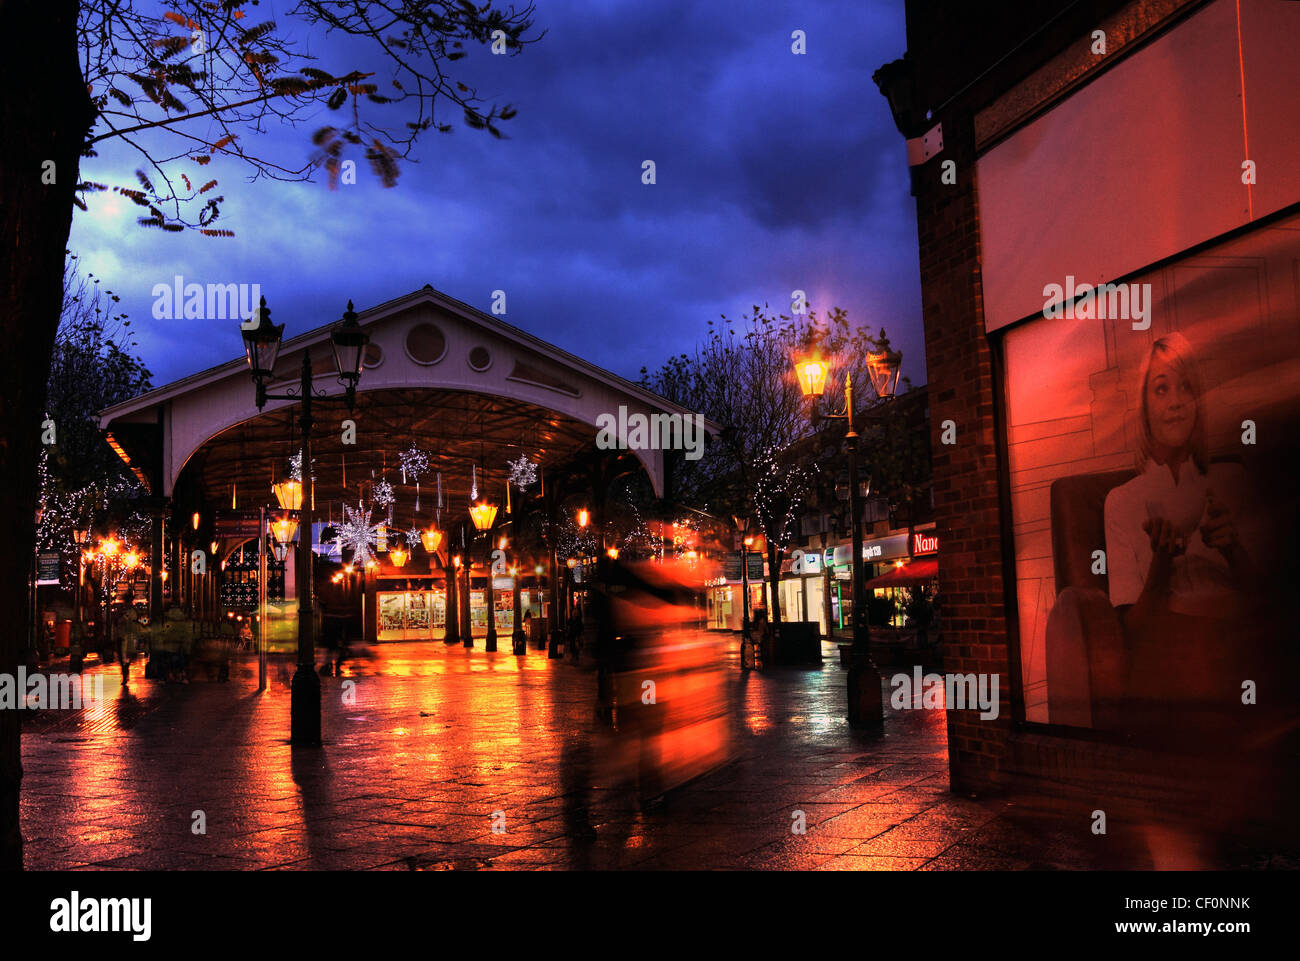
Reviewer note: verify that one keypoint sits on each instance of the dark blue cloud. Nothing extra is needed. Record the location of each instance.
(775, 172)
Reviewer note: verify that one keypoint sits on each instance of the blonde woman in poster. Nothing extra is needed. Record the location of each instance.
(1179, 574)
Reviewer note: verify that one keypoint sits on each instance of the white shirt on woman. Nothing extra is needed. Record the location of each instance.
(1201, 582)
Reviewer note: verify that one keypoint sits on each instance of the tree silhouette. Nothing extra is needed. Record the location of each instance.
(183, 83)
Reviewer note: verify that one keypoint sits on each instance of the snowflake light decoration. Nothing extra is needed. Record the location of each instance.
(523, 472)
(383, 497)
(357, 533)
(413, 462)
(413, 537)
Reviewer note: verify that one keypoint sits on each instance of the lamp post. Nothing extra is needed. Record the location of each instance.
(81, 536)
(863, 677)
(262, 347)
(113, 559)
(484, 515)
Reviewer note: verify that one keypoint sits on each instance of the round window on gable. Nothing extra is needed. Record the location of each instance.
(425, 344)
(374, 356)
(480, 359)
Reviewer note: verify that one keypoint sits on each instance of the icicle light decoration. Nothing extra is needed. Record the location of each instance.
(414, 463)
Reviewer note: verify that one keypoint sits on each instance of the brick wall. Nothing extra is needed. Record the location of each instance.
(966, 497)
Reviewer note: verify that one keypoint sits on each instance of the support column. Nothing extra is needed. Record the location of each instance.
(466, 617)
(158, 512)
(451, 620)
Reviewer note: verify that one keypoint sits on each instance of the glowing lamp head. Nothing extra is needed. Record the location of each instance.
(456, 560)
(194, 520)
(883, 367)
(483, 514)
(283, 530)
(613, 553)
(109, 547)
(289, 494)
(572, 562)
(398, 556)
(431, 539)
(812, 377)
(584, 517)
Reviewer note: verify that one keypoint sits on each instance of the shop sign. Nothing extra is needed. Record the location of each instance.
(805, 562)
(878, 549)
(924, 542)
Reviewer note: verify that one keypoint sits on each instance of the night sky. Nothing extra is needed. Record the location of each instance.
(774, 172)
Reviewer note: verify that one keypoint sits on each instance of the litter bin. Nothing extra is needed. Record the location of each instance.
(62, 634)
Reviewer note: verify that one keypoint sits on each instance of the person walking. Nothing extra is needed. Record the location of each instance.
(127, 635)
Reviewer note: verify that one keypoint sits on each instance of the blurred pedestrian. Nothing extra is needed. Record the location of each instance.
(128, 632)
(575, 631)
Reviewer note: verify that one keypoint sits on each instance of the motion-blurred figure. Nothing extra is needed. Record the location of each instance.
(661, 681)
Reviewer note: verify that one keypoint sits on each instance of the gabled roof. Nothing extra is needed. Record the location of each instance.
(429, 295)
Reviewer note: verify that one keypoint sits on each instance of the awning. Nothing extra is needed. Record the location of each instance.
(918, 572)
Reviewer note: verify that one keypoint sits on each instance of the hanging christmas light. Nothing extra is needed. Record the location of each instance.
(413, 463)
(358, 533)
(383, 496)
(523, 472)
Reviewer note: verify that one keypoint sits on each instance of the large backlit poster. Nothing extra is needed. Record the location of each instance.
(1152, 483)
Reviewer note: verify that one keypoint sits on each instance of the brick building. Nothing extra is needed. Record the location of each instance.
(1151, 146)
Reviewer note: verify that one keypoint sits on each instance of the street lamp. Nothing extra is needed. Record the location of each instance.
(80, 536)
(483, 514)
(288, 493)
(431, 538)
(112, 562)
(745, 631)
(262, 347)
(883, 368)
(584, 517)
(283, 530)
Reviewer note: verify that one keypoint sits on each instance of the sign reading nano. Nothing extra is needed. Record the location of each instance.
(923, 543)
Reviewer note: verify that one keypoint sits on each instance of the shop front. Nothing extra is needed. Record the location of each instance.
(726, 592)
(415, 608)
(893, 566)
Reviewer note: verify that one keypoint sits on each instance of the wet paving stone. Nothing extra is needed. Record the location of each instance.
(435, 750)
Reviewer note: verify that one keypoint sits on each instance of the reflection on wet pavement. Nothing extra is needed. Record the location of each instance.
(439, 758)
